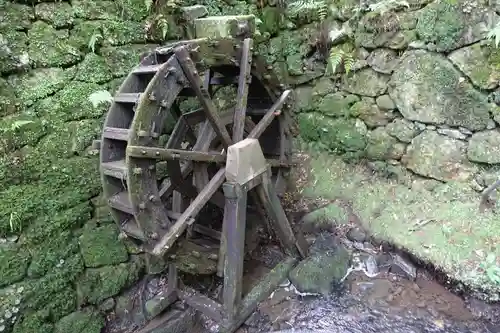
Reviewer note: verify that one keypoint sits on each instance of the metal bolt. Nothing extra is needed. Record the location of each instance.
(267, 76)
(157, 153)
(269, 67)
(142, 205)
(173, 256)
(154, 235)
(143, 152)
(122, 235)
(196, 254)
(152, 198)
(195, 72)
(213, 256)
(152, 167)
(143, 134)
(137, 171)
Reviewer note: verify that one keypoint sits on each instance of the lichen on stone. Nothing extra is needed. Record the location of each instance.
(58, 14)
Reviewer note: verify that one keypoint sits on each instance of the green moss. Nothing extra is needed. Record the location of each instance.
(133, 10)
(123, 32)
(74, 97)
(14, 52)
(334, 105)
(14, 262)
(15, 16)
(95, 10)
(122, 59)
(49, 47)
(58, 14)
(50, 226)
(52, 253)
(20, 129)
(88, 321)
(39, 83)
(441, 23)
(100, 246)
(9, 102)
(82, 33)
(69, 183)
(37, 322)
(271, 20)
(97, 284)
(380, 145)
(93, 69)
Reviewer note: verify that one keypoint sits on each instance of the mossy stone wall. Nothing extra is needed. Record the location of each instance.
(60, 256)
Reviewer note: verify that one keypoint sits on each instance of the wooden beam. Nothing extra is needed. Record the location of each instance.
(242, 95)
(190, 213)
(165, 154)
(201, 303)
(269, 116)
(233, 246)
(194, 79)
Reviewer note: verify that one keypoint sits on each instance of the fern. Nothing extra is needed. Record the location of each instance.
(94, 39)
(339, 56)
(495, 34)
(148, 4)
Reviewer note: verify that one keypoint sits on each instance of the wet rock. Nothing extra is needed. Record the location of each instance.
(356, 234)
(427, 88)
(383, 60)
(439, 157)
(385, 102)
(484, 147)
(479, 63)
(451, 25)
(320, 272)
(402, 267)
(403, 130)
(366, 82)
(324, 218)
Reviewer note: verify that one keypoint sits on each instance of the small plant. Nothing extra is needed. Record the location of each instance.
(494, 34)
(491, 268)
(94, 39)
(100, 97)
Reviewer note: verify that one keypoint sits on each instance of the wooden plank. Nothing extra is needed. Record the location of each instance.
(272, 205)
(201, 303)
(114, 133)
(242, 94)
(166, 154)
(269, 116)
(190, 213)
(167, 187)
(194, 79)
(260, 293)
(234, 247)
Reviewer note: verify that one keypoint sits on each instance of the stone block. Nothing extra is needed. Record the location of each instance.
(224, 26)
(245, 160)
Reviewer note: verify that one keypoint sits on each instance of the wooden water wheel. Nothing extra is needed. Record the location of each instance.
(164, 162)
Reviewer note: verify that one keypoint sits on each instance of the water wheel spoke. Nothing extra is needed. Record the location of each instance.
(208, 105)
(242, 94)
(274, 111)
(187, 218)
(165, 154)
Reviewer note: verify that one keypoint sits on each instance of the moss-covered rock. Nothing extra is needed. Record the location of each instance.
(71, 103)
(51, 254)
(366, 82)
(18, 130)
(13, 51)
(93, 69)
(57, 14)
(403, 130)
(484, 147)
(123, 32)
(84, 32)
(100, 246)
(49, 47)
(480, 63)
(14, 262)
(382, 146)
(370, 113)
(36, 322)
(271, 18)
(97, 284)
(9, 102)
(15, 16)
(71, 182)
(398, 40)
(88, 321)
(427, 88)
(122, 59)
(335, 105)
(320, 272)
(439, 157)
(95, 10)
(39, 83)
(450, 25)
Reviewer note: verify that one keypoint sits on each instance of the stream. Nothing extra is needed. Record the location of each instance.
(373, 297)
